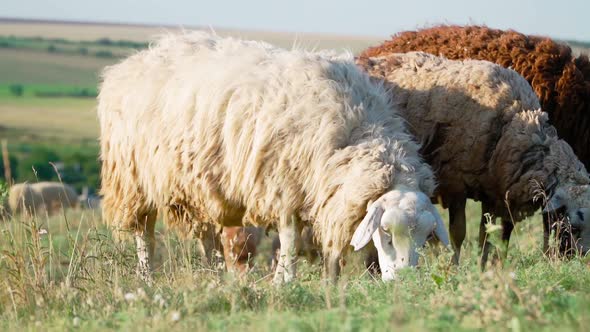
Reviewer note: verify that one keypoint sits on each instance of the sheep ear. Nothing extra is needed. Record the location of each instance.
(364, 232)
(440, 231)
(555, 202)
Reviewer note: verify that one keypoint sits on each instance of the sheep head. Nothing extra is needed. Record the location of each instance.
(576, 201)
(399, 222)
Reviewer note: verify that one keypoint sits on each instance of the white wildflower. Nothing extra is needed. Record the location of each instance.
(175, 316)
(130, 297)
(159, 300)
(141, 293)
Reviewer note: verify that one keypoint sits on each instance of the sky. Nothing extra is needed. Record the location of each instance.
(380, 18)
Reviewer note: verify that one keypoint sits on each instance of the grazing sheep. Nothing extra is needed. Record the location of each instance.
(219, 130)
(560, 80)
(41, 197)
(485, 137)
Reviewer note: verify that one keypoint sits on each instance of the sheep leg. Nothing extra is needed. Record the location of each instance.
(210, 247)
(507, 227)
(289, 230)
(546, 232)
(145, 241)
(457, 225)
(332, 265)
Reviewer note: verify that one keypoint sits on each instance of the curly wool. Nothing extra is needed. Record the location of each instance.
(212, 130)
(482, 129)
(560, 80)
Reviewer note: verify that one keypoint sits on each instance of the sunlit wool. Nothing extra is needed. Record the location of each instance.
(484, 135)
(213, 130)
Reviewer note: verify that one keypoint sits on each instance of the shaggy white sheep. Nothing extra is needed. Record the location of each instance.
(484, 137)
(41, 197)
(214, 130)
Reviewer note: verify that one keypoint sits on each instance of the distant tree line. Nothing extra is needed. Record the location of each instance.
(18, 90)
(108, 48)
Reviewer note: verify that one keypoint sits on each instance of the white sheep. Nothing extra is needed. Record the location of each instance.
(485, 138)
(41, 197)
(215, 131)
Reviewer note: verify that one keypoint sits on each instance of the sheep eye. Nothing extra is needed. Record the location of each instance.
(384, 229)
(580, 215)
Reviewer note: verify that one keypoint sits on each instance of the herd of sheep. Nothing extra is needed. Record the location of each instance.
(339, 153)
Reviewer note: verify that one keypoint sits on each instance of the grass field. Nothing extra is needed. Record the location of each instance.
(56, 119)
(37, 67)
(66, 272)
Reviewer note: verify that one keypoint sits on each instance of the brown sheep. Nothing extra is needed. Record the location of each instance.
(239, 246)
(485, 137)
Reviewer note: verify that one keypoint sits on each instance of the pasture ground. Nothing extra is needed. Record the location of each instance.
(66, 272)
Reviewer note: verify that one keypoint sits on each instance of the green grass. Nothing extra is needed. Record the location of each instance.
(102, 48)
(47, 91)
(75, 275)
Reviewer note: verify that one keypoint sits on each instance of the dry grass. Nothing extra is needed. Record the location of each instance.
(64, 272)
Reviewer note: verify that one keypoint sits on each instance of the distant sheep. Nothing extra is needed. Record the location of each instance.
(41, 197)
(218, 130)
(240, 246)
(485, 137)
(560, 80)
